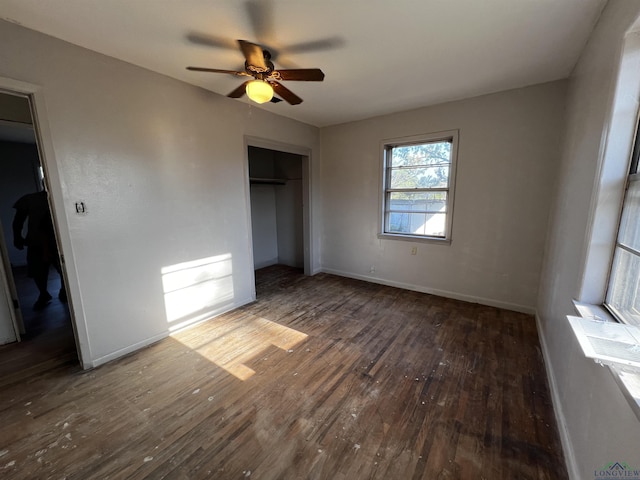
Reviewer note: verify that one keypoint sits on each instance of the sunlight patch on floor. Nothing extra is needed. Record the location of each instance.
(233, 345)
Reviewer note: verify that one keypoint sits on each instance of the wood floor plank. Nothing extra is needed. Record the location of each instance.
(321, 378)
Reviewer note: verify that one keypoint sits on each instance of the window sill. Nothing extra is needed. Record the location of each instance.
(627, 378)
(413, 238)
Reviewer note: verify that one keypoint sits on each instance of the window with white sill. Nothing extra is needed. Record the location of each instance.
(623, 295)
(418, 186)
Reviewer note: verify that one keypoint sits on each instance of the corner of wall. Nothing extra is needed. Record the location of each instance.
(567, 446)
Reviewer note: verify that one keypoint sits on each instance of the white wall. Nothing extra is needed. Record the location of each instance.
(289, 205)
(263, 225)
(508, 152)
(596, 422)
(162, 168)
(264, 233)
(289, 223)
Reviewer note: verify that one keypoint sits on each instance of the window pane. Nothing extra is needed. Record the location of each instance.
(425, 154)
(630, 222)
(418, 201)
(430, 224)
(420, 177)
(418, 186)
(624, 295)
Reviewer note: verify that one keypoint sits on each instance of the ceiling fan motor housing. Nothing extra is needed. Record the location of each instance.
(258, 65)
(258, 70)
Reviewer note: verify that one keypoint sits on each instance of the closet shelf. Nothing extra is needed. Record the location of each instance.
(268, 181)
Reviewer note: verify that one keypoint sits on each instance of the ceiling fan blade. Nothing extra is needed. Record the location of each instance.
(211, 41)
(260, 13)
(314, 45)
(217, 70)
(253, 53)
(275, 100)
(302, 74)
(285, 93)
(240, 91)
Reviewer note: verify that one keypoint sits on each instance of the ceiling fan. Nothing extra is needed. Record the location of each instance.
(266, 79)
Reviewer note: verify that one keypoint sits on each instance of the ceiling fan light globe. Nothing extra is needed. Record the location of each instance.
(259, 91)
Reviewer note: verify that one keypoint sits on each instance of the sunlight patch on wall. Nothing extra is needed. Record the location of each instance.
(232, 344)
(197, 289)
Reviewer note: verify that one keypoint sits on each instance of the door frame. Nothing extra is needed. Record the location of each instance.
(305, 154)
(9, 286)
(46, 152)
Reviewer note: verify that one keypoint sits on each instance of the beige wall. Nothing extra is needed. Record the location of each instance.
(162, 168)
(596, 422)
(508, 152)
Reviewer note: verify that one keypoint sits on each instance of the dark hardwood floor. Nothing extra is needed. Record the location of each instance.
(322, 378)
(48, 339)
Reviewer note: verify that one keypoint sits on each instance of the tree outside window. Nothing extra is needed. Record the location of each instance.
(418, 185)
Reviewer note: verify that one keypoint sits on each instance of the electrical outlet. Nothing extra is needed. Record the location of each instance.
(414, 250)
(372, 269)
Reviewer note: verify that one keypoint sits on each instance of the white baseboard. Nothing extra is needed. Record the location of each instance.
(432, 291)
(265, 263)
(161, 336)
(316, 270)
(567, 447)
(125, 351)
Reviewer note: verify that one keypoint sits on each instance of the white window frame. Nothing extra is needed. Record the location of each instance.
(386, 147)
(633, 177)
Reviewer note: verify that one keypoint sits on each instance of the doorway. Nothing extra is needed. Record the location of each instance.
(42, 326)
(280, 219)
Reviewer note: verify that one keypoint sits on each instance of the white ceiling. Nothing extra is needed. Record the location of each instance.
(379, 56)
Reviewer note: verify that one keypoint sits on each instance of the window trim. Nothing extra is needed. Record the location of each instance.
(385, 146)
(633, 175)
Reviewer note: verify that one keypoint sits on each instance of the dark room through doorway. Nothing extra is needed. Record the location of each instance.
(42, 327)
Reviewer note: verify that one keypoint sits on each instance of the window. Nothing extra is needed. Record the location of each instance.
(418, 184)
(623, 295)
